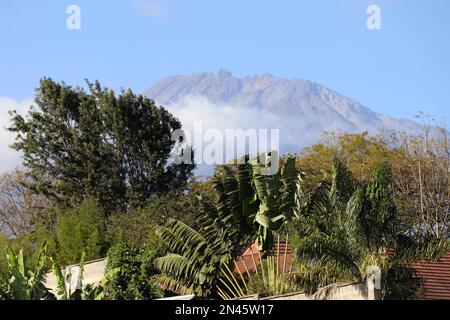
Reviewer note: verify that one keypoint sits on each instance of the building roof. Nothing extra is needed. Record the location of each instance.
(251, 258)
(435, 278)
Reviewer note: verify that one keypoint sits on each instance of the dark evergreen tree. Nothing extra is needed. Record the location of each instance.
(80, 143)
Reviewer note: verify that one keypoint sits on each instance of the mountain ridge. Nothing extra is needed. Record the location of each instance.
(301, 110)
(302, 98)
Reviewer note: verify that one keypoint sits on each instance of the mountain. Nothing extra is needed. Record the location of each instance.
(301, 109)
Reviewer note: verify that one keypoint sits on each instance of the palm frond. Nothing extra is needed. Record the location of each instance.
(170, 284)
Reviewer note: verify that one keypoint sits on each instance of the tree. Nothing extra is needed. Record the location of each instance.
(135, 227)
(420, 169)
(79, 144)
(421, 164)
(79, 232)
(18, 206)
(361, 153)
(347, 227)
(71, 233)
(249, 206)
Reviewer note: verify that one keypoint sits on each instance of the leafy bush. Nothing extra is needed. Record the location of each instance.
(75, 231)
(19, 282)
(25, 242)
(134, 280)
(133, 228)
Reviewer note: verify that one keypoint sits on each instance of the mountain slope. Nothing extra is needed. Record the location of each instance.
(299, 98)
(301, 109)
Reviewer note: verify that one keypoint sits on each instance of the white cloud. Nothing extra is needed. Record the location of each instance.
(9, 158)
(295, 131)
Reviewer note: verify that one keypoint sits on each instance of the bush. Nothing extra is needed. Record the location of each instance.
(76, 231)
(68, 233)
(26, 242)
(134, 280)
(133, 228)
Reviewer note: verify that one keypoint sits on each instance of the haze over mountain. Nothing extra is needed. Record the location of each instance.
(301, 109)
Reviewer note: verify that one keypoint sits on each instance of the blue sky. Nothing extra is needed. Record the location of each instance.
(398, 70)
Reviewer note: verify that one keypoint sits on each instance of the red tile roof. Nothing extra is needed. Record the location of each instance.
(435, 277)
(248, 260)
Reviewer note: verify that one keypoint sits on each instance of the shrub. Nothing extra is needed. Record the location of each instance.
(133, 228)
(134, 280)
(80, 230)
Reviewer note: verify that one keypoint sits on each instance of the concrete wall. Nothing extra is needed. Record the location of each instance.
(337, 292)
(93, 273)
(95, 270)
(334, 292)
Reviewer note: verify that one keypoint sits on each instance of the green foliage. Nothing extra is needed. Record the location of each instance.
(135, 227)
(27, 243)
(194, 260)
(346, 227)
(79, 231)
(361, 153)
(21, 283)
(278, 197)
(3, 246)
(134, 281)
(271, 277)
(248, 206)
(79, 144)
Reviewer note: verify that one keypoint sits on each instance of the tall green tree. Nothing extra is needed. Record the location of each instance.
(249, 207)
(115, 148)
(420, 163)
(79, 232)
(346, 228)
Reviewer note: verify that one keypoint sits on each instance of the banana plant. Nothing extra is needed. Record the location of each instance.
(250, 206)
(271, 276)
(21, 283)
(280, 199)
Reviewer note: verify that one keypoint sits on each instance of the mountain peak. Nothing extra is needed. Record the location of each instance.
(266, 76)
(315, 107)
(224, 74)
